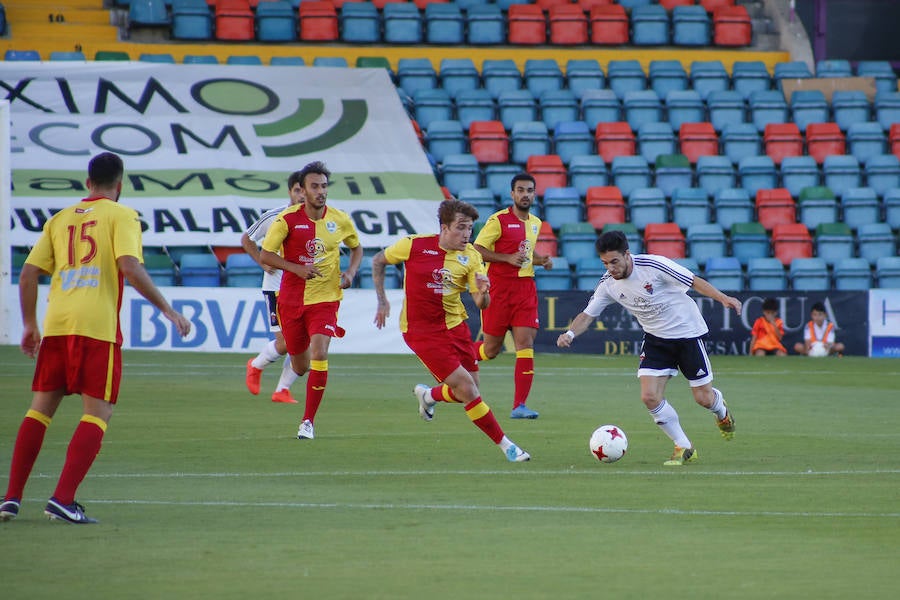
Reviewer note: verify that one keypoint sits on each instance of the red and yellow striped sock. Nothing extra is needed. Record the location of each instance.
(28, 445)
(479, 351)
(315, 388)
(82, 451)
(524, 375)
(480, 414)
(443, 393)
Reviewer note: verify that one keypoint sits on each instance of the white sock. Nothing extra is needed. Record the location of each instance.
(718, 405)
(665, 416)
(268, 355)
(287, 375)
(505, 443)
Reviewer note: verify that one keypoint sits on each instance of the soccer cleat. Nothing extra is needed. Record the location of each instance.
(70, 513)
(253, 377)
(726, 425)
(681, 456)
(283, 396)
(9, 509)
(426, 405)
(523, 412)
(306, 431)
(516, 454)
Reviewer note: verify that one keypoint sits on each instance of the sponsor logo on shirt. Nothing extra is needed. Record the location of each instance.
(432, 252)
(82, 277)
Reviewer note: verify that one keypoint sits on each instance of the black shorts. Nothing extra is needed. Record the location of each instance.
(661, 357)
(272, 304)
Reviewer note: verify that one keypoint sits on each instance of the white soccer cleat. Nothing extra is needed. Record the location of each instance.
(426, 405)
(306, 431)
(516, 454)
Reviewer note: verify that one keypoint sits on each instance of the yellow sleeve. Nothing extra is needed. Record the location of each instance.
(275, 236)
(399, 251)
(476, 267)
(490, 233)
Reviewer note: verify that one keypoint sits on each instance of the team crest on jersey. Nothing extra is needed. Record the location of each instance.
(331, 226)
(440, 279)
(463, 259)
(534, 229)
(315, 247)
(649, 287)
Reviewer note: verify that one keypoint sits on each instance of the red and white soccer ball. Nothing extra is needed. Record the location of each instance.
(608, 443)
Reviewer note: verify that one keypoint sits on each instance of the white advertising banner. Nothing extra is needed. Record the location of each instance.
(884, 323)
(208, 148)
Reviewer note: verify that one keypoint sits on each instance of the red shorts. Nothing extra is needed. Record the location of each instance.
(514, 303)
(443, 352)
(300, 323)
(79, 365)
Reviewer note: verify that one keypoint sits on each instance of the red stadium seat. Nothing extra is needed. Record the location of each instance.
(234, 21)
(614, 139)
(547, 244)
(609, 25)
(604, 205)
(421, 4)
(379, 4)
(698, 139)
(546, 5)
(527, 25)
(732, 26)
(318, 21)
(548, 171)
(782, 139)
(775, 207)
(664, 239)
(587, 5)
(823, 139)
(489, 142)
(712, 5)
(790, 241)
(894, 139)
(568, 25)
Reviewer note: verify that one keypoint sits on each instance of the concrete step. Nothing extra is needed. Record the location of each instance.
(96, 16)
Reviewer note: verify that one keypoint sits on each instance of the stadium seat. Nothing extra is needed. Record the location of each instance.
(475, 105)
(894, 139)
(766, 274)
(691, 26)
(882, 71)
(21, 55)
(875, 239)
(724, 272)
(557, 106)
(498, 178)
(705, 241)
(833, 68)
(68, 55)
(415, 74)
(460, 172)
(584, 74)
(775, 207)
(200, 59)
(708, 76)
(887, 271)
(444, 24)
(641, 106)
(515, 106)
(684, 106)
(790, 241)
(850, 106)
(568, 25)
(647, 205)
(673, 171)
(234, 21)
(824, 139)
(489, 142)
(817, 205)
(275, 22)
(715, 173)
(360, 23)
(841, 173)
(629, 173)
(860, 206)
(609, 25)
(767, 107)
(883, 173)
(809, 274)
(852, 274)
(649, 26)
(614, 139)
(548, 171)
(528, 139)
(111, 55)
(482, 199)
(690, 264)
(163, 271)
(865, 140)
(808, 106)
(485, 25)
(757, 173)
(562, 205)
(891, 203)
(244, 59)
(588, 271)
(782, 140)
(732, 26)
(445, 137)
(604, 204)
(587, 171)
(242, 271)
(527, 25)
(667, 76)
(542, 75)
(833, 241)
(571, 139)
(432, 105)
(200, 270)
(402, 24)
(790, 70)
(725, 108)
(500, 75)
(625, 76)
(798, 172)
(458, 75)
(331, 61)
(887, 108)
(547, 243)
(159, 58)
(748, 241)
(750, 76)
(740, 141)
(655, 138)
(603, 106)
(664, 239)
(732, 205)
(557, 278)
(698, 139)
(690, 206)
(150, 13)
(577, 241)
(635, 242)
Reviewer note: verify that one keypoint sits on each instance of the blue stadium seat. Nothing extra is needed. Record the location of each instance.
(766, 274)
(860, 206)
(887, 271)
(640, 107)
(200, 59)
(690, 264)
(891, 202)
(415, 73)
(767, 107)
(833, 68)
(331, 61)
(558, 105)
(475, 105)
(541, 75)
(684, 106)
(192, 20)
(705, 241)
(715, 173)
(600, 106)
(444, 24)
(673, 171)
(458, 74)
(571, 139)
(200, 270)
(649, 25)
(432, 105)
(757, 173)
(887, 108)
(814, 211)
(750, 76)
(497, 178)
(514, 106)
(709, 76)
(808, 106)
(444, 138)
(147, 13)
(655, 138)
(160, 58)
(586, 171)
(460, 172)
(732, 205)
(557, 278)
(288, 61)
(833, 241)
(562, 205)
(584, 74)
(588, 271)
(21, 55)
(402, 23)
(667, 76)
(725, 108)
(577, 241)
(647, 205)
(68, 55)
(243, 59)
(809, 274)
(725, 273)
(500, 75)
(790, 70)
(852, 274)
(875, 239)
(881, 70)
(528, 138)
(690, 26)
(749, 240)
(360, 23)
(625, 76)
(632, 4)
(276, 22)
(798, 172)
(482, 199)
(242, 271)
(690, 206)
(841, 172)
(635, 241)
(629, 173)
(850, 106)
(161, 269)
(865, 140)
(883, 173)
(740, 141)
(485, 25)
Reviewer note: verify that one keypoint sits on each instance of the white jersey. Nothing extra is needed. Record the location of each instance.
(257, 231)
(656, 295)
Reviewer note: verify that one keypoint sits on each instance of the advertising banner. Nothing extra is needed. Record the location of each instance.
(884, 316)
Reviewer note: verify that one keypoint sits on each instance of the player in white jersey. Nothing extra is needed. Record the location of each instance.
(271, 283)
(654, 290)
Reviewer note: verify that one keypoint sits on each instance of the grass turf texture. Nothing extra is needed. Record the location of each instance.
(203, 491)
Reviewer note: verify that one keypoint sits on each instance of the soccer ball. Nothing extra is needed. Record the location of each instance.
(818, 350)
(608, 443)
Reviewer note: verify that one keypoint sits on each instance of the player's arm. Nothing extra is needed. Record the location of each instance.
(252, 249)
(28, 295)
(383, 310)
(542, 261)
(356, 256)
(516, 260)
(579, 325)
(482, 292)
(701, 286)
(140, 280)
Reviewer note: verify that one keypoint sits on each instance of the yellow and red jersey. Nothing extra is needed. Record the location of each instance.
(506, 233)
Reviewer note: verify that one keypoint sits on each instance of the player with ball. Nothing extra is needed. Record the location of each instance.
(654, 290)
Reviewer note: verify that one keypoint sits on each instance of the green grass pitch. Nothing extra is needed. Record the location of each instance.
(202, 490)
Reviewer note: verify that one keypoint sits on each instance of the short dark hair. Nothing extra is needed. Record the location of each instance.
(106, 169)
(448, 209)
(317, 167)
(523, 176)
(818, 306)
(770, 304)
(294, 179)
(613, 240)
